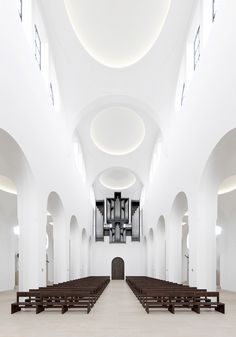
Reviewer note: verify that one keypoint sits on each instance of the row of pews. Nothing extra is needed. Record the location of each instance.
(77, 294)
(155, 293)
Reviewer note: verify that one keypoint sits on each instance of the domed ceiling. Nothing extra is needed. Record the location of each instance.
(117, 130)
(117, 33)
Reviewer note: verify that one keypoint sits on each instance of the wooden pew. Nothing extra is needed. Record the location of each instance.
(154, 293)
(81, 293)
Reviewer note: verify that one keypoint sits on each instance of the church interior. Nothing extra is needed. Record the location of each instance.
(117, 168)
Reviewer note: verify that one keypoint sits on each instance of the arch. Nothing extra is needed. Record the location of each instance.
(160, 247)
(175, 238)
(145, 254)
(56, 214)
(220, 165)
(17, 179)
(74, 253)
(13, 161)
(84, 253)
(55, 205)
(117, 269)
(150, 253)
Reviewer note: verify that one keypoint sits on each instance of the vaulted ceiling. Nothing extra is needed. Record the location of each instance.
(118, 61)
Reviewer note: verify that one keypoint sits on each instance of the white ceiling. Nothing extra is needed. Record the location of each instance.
(117, 130)
(117, 178)
(117, 34)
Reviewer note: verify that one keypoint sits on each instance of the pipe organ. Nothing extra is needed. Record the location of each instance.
(117, 218)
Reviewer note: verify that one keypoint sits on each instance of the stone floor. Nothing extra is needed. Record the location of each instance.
(117, 314)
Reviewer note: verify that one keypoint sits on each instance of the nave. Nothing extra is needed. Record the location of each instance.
(117, 313)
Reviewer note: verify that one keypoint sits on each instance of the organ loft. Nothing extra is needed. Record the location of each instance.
(117, 218)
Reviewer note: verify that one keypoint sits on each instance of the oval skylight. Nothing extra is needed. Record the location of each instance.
(117, 178)
(228, 185)
(7, 185)
(117, 130)
(117, 33)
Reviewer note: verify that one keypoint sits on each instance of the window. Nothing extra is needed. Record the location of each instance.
(20, 8)
(213, 10)
(37, 50)
(183, 96)
(52, 93)
(197, 48)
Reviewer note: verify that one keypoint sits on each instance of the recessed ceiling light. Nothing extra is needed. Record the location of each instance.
(117, 130)
(228, 185)
(117, 178)
(117, 33)
(7, 185)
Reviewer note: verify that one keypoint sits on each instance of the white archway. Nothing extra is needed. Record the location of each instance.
(60, 244)
(213, 210)
(84, 254)
(160, 248)
(151, 254)
(20, 210)
(175, 235)
(74, 248)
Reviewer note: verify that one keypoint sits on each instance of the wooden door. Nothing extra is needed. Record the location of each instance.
(117, 269)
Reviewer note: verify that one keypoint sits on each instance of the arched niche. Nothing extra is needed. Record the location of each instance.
(216, 217)
(74, 253)
(145, 254)
(58, 244)
(160, 248)
(150, 253)
(84, 254)
(16, 190)
(177, 240)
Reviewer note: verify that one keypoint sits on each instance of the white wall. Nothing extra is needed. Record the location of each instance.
(8, 241)
(207, 115)
(28, 116)
(133, 254)
(227, 240)
(46, 149)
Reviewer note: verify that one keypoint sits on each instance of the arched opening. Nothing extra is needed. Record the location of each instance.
(178, 259)
(57, 245)
(117, 269)
(218, 197)
(161, 249)
(151, 254)
(145, 254)
(185, 249)
(9, 235)
(74, 249)
(84, 254)
(49, 250)
(15, 188)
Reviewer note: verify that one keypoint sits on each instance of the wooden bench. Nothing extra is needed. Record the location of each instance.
(154, 293)
(81, 293)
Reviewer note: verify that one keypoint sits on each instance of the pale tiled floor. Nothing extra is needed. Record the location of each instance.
(117, 314)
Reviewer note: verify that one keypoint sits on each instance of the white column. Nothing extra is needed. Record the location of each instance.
(174, 252)
(32, 241)
(61, 249)
(202, 242)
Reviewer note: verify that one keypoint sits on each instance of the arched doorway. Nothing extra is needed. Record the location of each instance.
(178, 253)
(160, 251)
(118, 269)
